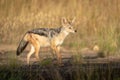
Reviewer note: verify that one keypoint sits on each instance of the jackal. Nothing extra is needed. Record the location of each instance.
(46, 37)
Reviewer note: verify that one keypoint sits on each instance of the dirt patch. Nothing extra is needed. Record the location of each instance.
(8, 55)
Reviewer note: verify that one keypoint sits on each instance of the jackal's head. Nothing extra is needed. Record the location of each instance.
(68, 26)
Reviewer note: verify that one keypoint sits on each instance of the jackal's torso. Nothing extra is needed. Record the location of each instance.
(48, 36)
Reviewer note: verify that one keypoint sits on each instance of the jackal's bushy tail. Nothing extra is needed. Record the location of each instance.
(22, 46)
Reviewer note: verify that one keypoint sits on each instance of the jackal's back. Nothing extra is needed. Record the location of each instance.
(46, 32)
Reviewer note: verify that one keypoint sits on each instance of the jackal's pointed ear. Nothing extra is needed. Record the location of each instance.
(72, 22)
(64, 21)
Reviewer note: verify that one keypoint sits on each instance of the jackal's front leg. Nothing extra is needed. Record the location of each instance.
(56, 49)
(58, 54)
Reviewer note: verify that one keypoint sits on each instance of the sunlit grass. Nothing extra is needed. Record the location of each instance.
(97, 22)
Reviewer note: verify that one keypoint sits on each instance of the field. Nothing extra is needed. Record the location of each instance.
(97, 23)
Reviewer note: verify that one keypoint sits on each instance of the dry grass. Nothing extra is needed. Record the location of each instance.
(97, 21)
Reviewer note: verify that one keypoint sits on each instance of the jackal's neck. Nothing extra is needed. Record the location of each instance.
(63, 33)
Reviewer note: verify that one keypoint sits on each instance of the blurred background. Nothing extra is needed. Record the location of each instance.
(97, 21)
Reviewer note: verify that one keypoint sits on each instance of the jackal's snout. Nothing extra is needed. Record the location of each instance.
(75, 31)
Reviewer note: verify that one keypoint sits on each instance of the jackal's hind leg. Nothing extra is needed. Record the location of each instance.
(37, 48)
(32, 50)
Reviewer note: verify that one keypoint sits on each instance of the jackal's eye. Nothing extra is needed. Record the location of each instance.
(70, 28)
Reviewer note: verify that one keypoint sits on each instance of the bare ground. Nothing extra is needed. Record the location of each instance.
(8, 55)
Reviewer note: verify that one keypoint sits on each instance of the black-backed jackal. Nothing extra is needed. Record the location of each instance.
(46, 37)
